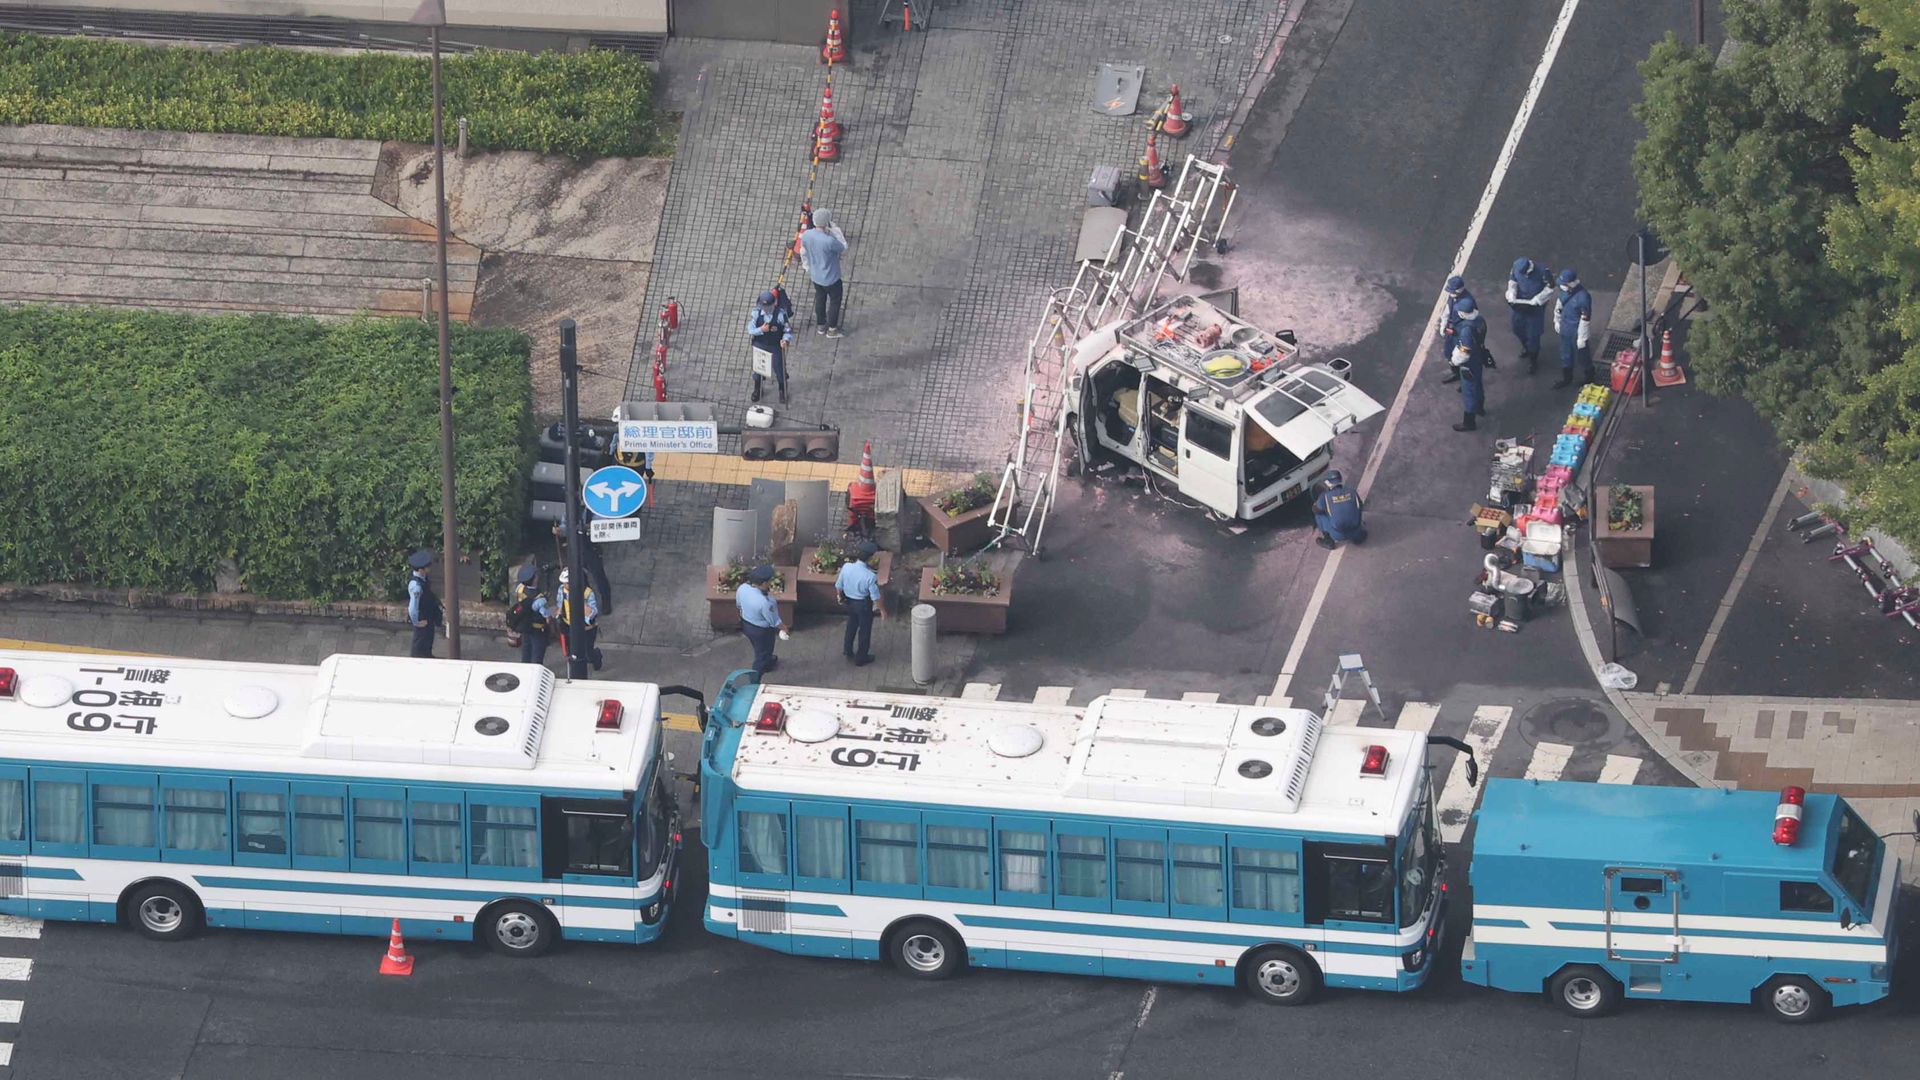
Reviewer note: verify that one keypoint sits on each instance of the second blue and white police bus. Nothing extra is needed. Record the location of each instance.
(466, 799)
(1150, 839)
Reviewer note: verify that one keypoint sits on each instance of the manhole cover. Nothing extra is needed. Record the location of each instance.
(1569, 720)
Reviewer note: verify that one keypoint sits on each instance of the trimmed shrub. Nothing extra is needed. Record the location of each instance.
(144, 448)
(593, 103)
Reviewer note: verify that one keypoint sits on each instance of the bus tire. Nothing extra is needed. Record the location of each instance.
(163, 910)
(1279, 975)
(1793, 999)
(518, 928)
(926, 949)
(1584, 991)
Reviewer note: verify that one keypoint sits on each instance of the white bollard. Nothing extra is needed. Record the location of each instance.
(925, 630)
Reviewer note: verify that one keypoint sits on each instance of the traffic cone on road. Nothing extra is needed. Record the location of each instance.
(828, 127)
(1667, 373)
(825, 148)
(1152, 173)
(835, 50)
(863, 493)
(1176, 124)
(396, 962)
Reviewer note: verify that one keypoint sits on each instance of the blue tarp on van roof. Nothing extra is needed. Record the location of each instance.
(1660, 826)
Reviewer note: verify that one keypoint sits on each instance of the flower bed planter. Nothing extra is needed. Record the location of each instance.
(724, 614)
(962, 614)
(1620, 549)
(957, 534)
(816, 592)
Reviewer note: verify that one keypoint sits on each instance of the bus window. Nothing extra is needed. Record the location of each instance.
(659, 825)
(820, 846)
(123, 814)
(379, 830)
(763, 842)
(1199, 875)
(1023, 863)
(1855, 854)
(1419, 866)
(958, 859)
(1081, 872)
(436, 832)
(260, 819)
(886, 856)
(196, 820)
(503, 837)
(13, 811)
(1805, 896)
(1354, 883)
(598, 837)
(320, 828)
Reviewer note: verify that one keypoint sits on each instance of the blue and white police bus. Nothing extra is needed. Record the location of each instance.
(1595, 892)
(1149, 839)
(465, 798)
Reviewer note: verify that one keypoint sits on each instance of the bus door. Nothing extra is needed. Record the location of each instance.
(591, 846)
(1643, 924)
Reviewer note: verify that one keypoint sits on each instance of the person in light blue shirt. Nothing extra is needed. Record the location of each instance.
(771, 331)
(859, 589)
(587, 653)
(423, 607)
(822, 247)
(760, 617)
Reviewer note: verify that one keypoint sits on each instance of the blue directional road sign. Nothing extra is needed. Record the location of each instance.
(614, 492)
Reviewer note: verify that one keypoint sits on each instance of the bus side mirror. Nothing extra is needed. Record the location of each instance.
(1846, 918)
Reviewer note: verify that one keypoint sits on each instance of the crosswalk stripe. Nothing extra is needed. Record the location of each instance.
(1204, 697)
(1549, 761)
(1457, 800)
(1619, 769)
(18, 926)
(1346, 712)
(6, 1054)
(1127, 693)
(15, 969)
(980, 691)
(1269, 701)
(10, 1011)
(1417, 716)
(1053, 695)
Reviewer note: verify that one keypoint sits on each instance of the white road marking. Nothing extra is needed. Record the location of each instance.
(1346, 712)
(16, 926)
(980, 691)
(1146, 1006)
(15, 969)
(1549, 761)
(10, 1011)
(1417, 716)
(1052, 695)
(6, 1054)
(1423, 354)
(1457, 800)
(1619, 769)
(1204, 697)
(1740, 573)
(1127, 693)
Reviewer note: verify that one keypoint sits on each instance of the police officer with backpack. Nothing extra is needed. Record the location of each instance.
(527, 615)
(423, 607)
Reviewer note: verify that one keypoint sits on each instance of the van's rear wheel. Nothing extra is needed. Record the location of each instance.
(1281, 976)
(1793, 999)
(926, 950)
(1584, 992)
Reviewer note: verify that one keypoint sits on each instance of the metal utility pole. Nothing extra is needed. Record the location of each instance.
(577, 655)
(1699, 22)
(433, 14)
(1646, 321)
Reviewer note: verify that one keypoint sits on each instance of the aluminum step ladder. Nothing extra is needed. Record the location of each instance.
(1350, 665)
(1120, 285)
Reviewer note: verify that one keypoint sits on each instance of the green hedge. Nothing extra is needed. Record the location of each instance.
(588, 103)
(143, 448)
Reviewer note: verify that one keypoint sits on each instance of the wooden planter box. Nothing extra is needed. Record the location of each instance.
(968, 614)
(957, 534)
(816, 590)
(724, 614)
(1626, 548)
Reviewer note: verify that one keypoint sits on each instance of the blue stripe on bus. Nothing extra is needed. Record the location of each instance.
(1516, 924)
(1155, 934)
(407, 892)
(53, 873)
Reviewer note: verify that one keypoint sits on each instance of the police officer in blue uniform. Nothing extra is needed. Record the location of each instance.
(859, 589)
(1529, 290)
(1336, 513)
(760, 621)
(528, 615)
(1456, 290)
(1575, 323)
(578, 659)
(423, 607)
(771, 329)
(1469, 357)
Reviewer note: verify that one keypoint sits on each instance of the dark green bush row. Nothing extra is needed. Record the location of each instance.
(588, 103)
(142, 448)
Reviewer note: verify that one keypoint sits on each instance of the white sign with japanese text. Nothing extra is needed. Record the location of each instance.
(605, 530)
(669, 436)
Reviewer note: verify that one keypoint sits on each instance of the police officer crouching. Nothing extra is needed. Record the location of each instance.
(1336, 513)
(527, 616)
(423, 607)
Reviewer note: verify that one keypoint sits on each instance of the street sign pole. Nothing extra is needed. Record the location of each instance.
(576, 580)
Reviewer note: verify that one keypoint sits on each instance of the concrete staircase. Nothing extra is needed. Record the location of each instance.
(211, 223)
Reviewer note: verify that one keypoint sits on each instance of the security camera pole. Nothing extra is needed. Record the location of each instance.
(433, 14)
(570, 419)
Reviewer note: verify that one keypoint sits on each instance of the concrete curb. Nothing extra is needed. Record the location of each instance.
(475, 616)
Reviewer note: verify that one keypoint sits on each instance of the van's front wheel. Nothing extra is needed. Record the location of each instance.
(1281, 976)
(1793, 999)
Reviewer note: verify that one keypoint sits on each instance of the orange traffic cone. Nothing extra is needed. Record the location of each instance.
(1176, 123)
(825, 148)
(1667, 373)
(1152, 173)
(861, 494)
(396, 962)
(835, 50)
(828, 128)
